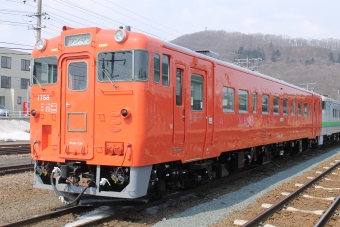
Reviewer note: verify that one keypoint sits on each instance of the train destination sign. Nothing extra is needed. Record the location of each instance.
(78, 40)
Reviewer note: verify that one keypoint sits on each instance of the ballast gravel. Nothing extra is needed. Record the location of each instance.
(209, 213)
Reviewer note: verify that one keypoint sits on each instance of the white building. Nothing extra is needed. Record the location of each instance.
(14, 79)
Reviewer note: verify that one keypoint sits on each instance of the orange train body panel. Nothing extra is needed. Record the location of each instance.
(157, 130)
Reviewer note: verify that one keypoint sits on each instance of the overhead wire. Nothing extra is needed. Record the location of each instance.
(132, 18)
(145, 17)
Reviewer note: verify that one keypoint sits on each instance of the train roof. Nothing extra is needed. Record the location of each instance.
(201, 54)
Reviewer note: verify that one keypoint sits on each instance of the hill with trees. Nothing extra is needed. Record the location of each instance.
(294, 60)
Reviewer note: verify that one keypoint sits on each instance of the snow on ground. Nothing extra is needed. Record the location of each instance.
(14, 130)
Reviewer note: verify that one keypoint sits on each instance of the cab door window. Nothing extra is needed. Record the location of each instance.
(77, 76)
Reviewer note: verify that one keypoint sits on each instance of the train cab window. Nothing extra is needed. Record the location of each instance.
(265, 104)
(141, 65)
(299, 108)
(254, 102)
(165, 70)
(276, 105)
(115, 66)
(179, 98)
(196, 92)
(285, 106)
(228, 99)
(292, 108)
(45, 70)
(77, 76)
(156, 68)
(242, 101)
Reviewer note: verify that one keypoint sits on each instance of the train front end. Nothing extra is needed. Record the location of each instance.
(86, 120)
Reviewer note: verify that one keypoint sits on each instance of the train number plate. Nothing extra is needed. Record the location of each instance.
(78, 40)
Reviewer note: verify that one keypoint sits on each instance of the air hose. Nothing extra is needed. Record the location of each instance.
(61, 195)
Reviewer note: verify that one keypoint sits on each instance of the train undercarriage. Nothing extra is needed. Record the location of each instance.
(105, 185)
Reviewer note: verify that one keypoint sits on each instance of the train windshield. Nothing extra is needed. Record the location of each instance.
(123, 66)
(45, 70)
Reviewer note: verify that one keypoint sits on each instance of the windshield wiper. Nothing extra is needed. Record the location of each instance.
(36, 80)
(106, 73)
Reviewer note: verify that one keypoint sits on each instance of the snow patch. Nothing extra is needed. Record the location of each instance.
(14, 130)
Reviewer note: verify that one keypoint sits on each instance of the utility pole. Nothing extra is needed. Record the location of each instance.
(38, 28)
(246, 61)
(38, 15)
(307, 86)
(338, 90)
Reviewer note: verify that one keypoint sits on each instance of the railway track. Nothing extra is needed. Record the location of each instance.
(10, 149)
(15, 169)
(323, 181)
(123, 213)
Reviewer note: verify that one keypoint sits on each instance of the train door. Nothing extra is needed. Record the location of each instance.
(77, 108)
(179, 110)
(196, 118)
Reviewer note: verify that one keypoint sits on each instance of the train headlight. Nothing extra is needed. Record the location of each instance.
(120, 36)
(41, 44)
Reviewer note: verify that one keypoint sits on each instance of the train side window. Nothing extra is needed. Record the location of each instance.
(141, 65)
(242, 101)
(299, 108)
(285, 106)
(292, 109)
(254, 102)
(228, 99)
(196, 92)
(276, 107)
(179, 73)
(165, 70)
(156, 68)
(306, 109)
(323, 105)
(77, 76)
(265, 104)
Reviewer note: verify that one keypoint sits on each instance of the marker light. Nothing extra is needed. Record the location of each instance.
(120, 36)
(41, 44)
(35, 113)
(125, 113)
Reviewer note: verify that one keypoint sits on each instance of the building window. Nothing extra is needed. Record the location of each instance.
(228, 99)
(276, 103)
(2, 100)
(265, 103)
(196, 92)
(156, 68)
(5, 82)
(5, 62)
(24, 83)
(285, 106)
(299, 108)
(25, 65)
(165, 70)
(243, 101)
(19, 100)
(292, 109)
(254, 102)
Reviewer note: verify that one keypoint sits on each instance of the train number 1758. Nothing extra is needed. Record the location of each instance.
(43, 97)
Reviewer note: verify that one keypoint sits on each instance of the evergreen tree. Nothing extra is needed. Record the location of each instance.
(331, 56)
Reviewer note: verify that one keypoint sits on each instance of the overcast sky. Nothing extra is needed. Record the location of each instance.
(169, 19)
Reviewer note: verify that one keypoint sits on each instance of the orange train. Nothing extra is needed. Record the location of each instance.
(120, 114)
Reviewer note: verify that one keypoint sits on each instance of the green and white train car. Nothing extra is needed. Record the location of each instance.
(330, 121)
